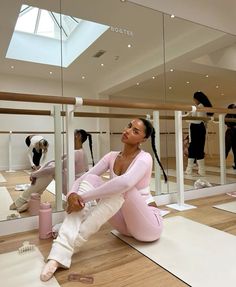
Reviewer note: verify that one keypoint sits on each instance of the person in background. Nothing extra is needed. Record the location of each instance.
(125, 199)
(37, 150)
(41, 178)
(197, 135)
(230, 135)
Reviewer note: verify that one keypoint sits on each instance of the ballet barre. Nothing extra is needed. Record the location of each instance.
(178, 109)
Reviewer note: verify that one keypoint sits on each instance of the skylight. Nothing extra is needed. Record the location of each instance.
(45, 23)
(46, 37)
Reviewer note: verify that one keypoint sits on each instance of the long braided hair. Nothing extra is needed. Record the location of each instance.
(150, 131)
(83, 136)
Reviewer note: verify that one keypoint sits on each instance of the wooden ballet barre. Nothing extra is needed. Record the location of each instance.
(25, 112)
(6, 96)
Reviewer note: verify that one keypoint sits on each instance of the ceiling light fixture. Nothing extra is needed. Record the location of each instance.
(12, 67)
(102, 64)
(129, 45)
(137, 84)
(171, 70)
(187, 82)
(207, 76)
(217, 86)
(50, 73)
(83, 77)
(153, 77)
(172, 16)
(170, 88)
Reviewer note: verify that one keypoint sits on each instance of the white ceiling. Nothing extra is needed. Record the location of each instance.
(190, 49)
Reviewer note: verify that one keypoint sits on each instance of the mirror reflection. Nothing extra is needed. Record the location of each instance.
(70, 51)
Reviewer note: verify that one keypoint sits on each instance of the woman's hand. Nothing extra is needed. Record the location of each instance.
(74, 203)
(32, 179)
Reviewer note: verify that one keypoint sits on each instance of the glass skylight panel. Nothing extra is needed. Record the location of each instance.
(45, 23)
(39, 33)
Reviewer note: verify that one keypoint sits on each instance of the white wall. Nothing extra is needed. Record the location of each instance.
(216, 14)
(29, 123)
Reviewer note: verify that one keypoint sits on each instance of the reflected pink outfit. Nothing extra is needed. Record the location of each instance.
(135, 218)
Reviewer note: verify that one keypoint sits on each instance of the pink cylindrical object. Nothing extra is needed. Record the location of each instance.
(45, 220)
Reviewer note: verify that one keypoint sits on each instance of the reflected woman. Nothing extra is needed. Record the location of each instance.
(41, 178)
(37, 150)
(197, 136)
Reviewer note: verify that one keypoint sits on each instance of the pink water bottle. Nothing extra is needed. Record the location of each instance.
(45, 220)
(34, 204)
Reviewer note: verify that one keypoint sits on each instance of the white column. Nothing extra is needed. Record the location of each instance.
(70, 146)
(10, 153)
(58, 154)
(180, 205)
(222, 149)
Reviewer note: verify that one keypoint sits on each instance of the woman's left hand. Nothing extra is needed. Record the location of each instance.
(74, 203)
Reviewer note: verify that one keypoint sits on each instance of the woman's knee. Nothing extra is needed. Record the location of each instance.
(93, 179)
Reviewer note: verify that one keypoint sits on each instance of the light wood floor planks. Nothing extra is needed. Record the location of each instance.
(113, 263)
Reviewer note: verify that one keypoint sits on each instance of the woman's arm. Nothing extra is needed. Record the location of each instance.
(47, 169)
(101, 167)
(120, 184)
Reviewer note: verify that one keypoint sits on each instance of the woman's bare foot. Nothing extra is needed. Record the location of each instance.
(49, 270)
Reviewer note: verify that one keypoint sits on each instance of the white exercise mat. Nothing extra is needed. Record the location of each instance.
(210, 178)
(168, 187)
(5, 202)
(2, 178)
(229, 171)
(229, 206)
(197, 254)
(52, 189)
(23, 270)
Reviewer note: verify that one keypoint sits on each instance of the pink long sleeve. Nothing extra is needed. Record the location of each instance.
(137, 175)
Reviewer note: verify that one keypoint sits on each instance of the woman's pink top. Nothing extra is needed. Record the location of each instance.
(137, 176)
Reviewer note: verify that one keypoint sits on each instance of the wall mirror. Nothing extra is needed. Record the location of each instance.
(127, 55)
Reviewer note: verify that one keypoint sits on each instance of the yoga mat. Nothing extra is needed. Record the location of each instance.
(217, 169)
(2, 178)
(199, 255)
(52, 189)
(229, 206)
(5, 202)
(210, 178)
(168, 187)
(23, 270)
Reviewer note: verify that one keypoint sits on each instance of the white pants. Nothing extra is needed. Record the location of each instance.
(40, 185)
(77, 227)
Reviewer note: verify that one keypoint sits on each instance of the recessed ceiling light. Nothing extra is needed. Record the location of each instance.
(122, 0)
(12, 67)
(137, 84)
(207, 76)
(187, 82)
(172, 16)
(129, 45)
(153, 77)
(102, 64)
(217, 86)
(50, 73)
(83, 77)
(171, 70)
(170, 88)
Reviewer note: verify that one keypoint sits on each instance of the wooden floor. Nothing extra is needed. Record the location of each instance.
(113, 263)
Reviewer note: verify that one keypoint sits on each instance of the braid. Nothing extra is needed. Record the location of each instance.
(91, 146)
(155, 153)
(150, 131)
